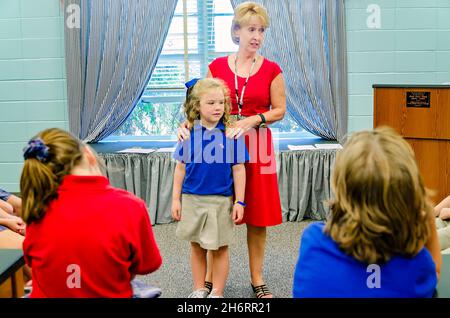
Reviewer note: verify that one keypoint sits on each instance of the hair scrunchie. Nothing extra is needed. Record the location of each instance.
(36, 149)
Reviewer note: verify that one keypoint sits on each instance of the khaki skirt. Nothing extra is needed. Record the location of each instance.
(206, 220)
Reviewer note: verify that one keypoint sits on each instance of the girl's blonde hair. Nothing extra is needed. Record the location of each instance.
(192, 103)
(45, 168)
(381, 207)
(242, 15)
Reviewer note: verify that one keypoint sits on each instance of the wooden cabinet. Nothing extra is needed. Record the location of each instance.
(421, 114)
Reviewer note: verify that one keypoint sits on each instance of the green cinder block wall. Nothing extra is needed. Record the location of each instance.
(411, 46)
(32, 78)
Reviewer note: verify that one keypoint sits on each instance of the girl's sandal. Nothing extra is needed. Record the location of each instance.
(262, 291)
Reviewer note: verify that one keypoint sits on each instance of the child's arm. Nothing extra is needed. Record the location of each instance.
(6, 209)
(14, 224)
(16, 203)
(239, 192)
(178, 177)
(443, 204)
(4, 214)
(433, 245)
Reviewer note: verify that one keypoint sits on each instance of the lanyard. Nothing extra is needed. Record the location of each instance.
(240, 101)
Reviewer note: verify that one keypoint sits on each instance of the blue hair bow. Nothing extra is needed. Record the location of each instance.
(36, 149)
(191, 83)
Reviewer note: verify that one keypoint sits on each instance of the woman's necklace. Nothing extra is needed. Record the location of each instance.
(240, 101)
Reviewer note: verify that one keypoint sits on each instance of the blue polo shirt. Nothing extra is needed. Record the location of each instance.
(209, 157)
(324, 270)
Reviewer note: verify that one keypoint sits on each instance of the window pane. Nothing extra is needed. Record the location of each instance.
(191, 7)
(222, 34)
(223, 6)
(208, 36)
(168, 74)
(152, 119)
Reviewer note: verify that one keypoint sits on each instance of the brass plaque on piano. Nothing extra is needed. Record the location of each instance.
(418, 99)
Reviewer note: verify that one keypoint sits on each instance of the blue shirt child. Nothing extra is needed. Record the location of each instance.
(324, 270)
(209, 157)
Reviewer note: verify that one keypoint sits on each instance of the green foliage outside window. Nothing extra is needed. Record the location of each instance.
(152, 119)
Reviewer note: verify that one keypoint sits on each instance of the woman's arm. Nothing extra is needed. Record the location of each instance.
(277, 99)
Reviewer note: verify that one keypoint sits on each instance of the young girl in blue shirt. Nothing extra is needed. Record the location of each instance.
(209, 171)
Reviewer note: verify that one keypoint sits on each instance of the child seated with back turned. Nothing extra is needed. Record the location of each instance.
(380, 239)
(84, 237)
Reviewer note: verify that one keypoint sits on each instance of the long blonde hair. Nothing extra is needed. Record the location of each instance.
(381, 207)
(49, 157)
(192, 103)
(242, 15)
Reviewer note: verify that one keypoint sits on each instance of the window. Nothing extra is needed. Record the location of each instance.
(207, 36)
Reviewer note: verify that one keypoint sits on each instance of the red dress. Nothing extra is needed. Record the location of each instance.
(261, 190)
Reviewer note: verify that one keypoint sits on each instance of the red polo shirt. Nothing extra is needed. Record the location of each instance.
(90, 242)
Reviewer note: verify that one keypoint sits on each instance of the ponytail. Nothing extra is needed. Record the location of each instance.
(49, 157)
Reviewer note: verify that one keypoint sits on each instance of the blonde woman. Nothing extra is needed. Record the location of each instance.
(258, 99)
(209, 173)
(380, 239)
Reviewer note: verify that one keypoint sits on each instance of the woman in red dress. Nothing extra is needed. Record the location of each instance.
(258, 98)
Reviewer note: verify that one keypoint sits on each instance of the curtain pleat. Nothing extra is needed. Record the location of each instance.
(109, 61)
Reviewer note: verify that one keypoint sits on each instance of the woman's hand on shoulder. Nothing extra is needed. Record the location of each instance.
(183, 132)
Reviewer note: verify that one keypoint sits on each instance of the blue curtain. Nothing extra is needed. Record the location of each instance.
(109, 60)
(307, 39)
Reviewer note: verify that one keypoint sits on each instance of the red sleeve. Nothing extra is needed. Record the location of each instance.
(145, 252)
(276, 70)
(216, 66)
(212, 67)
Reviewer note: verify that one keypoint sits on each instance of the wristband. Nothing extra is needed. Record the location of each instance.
(263, 121)
(241, 203)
